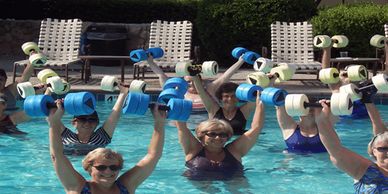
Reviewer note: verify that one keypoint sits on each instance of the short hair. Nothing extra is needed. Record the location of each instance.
(227, 87)
(97, 153)
(214, 125)
(381, 137)
(3, 73)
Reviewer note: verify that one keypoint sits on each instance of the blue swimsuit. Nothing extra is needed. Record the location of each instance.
(201, 168)
(297, 143)
(373, 181)
(123, 189)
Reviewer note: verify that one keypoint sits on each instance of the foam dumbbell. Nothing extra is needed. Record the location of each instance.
(258, 78)
(324, 41)
(283, 72)
(80, 103)
(263, 64)
(141, 54)
(138, 103)
(110, 83)
(36, 58)
(299, 105)
(175, 87)
(207, 68)
(353, 72)
(248, 56)
(269, 96)
(44, 74)
(378, 83)
(378, 41)
(55, 84)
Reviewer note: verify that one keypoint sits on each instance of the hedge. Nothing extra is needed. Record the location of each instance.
(359, 22)
(225, 24)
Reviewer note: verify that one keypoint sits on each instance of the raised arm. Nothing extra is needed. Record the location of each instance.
(189, 143)
(110, 124)
(245, 142)
(27, 72)
(143, 169)
(210, 104)
(214, 85)
(348, 161)
(326, 56)
(374, 115)
(71, 180)
(157, 70)
(286, 123)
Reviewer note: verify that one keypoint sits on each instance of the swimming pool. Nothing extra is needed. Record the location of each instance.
(27, 168)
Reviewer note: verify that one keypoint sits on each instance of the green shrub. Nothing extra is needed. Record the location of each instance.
(359, 22)
(225, 24)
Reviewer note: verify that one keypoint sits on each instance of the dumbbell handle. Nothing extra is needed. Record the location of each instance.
(313, 104)
(160, 107)
(195, 69)
(121, 84)
(370, 86)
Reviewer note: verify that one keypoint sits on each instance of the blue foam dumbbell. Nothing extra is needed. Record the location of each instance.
(80, 103)
(269, 96)
(175, 87)
(138, 103)
(248, 56)
(141, 54)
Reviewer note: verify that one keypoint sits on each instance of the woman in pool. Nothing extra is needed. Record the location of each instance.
(370, 177)
(192, 93)
(87, 138)
(302, 136)
(8, 122)
(103, 164)
(10, 91)
(207, 156)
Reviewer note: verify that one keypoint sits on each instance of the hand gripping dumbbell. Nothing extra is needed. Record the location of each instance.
(138, 103)
(110, 83)
(175, 87)
(80, 103)
(378, 41)
(248, 56)
(283, 72)
(324, 41)
(269, 96)
(36, 58)
(207, 68)
(141, 54)
(299, 105)
(44, 76)
(353, 72)
(55, 84)
(379, 83)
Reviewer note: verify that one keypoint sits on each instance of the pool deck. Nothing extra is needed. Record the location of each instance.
(301, 83)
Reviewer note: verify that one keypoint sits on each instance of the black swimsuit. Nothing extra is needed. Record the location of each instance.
(238, 122)
(201, 168)
(8, 127)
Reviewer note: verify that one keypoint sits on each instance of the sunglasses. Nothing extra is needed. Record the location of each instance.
(214, 134)
(104, 167)
(382, 149)
(90, 120)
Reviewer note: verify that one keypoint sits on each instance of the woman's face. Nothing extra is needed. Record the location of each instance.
(85, 124)
(380, 151)
(215, 138)
(105, 171)
(229, 99)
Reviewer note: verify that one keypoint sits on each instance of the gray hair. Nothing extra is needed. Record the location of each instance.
(381, 137)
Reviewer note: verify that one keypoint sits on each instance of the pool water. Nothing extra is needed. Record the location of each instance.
(26, 166)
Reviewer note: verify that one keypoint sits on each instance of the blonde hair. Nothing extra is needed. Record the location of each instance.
(105, 153)
(381, 137)
(213, 125)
